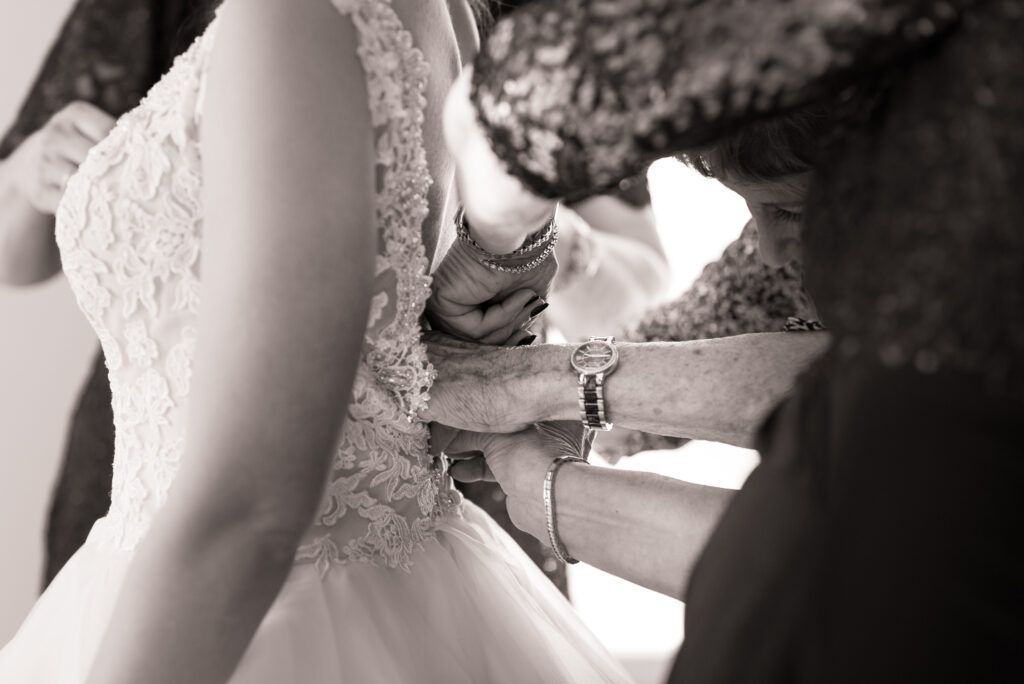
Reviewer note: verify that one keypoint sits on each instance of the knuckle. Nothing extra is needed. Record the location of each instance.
(77, 108)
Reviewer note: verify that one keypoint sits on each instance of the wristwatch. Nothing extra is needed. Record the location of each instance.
(594, 360)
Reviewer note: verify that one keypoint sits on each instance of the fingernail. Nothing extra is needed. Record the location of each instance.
(538, 310)
(531, 300)
(526, 341)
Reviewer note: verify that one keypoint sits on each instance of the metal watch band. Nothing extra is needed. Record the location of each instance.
(591, 393)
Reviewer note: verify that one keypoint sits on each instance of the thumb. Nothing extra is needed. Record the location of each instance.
(441, 436)
(471, 470)
(468, 442)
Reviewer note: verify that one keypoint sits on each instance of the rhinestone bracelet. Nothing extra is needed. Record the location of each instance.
(529, 265)
(544, 240)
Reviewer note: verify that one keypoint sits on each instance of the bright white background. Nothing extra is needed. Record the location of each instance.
(46, 347)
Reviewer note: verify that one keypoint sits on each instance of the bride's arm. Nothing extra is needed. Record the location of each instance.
(287, 265)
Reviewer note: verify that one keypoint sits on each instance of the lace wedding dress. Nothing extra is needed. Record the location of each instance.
(397, 580)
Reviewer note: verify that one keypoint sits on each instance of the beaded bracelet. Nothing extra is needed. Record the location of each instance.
(535, 249)
(561, 553)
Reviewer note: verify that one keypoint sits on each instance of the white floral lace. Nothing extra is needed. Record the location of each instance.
(129, 230)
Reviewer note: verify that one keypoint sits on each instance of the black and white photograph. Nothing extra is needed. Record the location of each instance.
(511, 341)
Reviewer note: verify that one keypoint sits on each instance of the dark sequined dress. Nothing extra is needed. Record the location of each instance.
(109, 53)
(879, 538)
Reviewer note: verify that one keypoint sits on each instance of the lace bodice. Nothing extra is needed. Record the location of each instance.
(129, 230)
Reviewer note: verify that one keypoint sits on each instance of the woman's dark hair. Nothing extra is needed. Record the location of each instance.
(765, 150)
(483, 14)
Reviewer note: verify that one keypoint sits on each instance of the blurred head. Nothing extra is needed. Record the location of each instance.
(768, 164)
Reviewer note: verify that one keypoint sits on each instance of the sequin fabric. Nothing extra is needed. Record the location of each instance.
(580, 95)
(735, 295)
(913, 245)
(129, 229)
(916, 228)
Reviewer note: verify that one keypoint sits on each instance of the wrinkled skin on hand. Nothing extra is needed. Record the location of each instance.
(478, 387)
(516, 457)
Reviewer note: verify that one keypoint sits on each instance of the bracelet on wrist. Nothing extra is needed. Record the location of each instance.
(550, 512)
(535, 249)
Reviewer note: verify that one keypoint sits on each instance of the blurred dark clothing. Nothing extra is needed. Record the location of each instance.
(873, 543)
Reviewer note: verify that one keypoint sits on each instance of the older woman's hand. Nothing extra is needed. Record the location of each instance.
(506, 458)
(643, 527)
(518, 463)
(498, 389)
(479, 456)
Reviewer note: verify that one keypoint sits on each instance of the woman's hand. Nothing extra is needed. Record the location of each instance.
(517, 462)
(515, 457)
(500, 209)
(643, 527)
(32, 182)
(498, 389)
(42, 165)
(472, 301)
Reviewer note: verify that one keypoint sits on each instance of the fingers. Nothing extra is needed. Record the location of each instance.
(47, 198)
(58, 172)
(87, 119)
(521, 338)
(48, 189)
(510, 317)
(73, 146)
(441, 340)
(469, 442)
(497, 323)
(471, 470)
(441, 437)
(566, 438)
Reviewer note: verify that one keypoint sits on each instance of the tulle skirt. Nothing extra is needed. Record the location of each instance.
(473, 610)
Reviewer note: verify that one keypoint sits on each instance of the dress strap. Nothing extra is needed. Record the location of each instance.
(396, 82)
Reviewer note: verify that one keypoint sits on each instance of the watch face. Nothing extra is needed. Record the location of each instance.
(596, 356)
